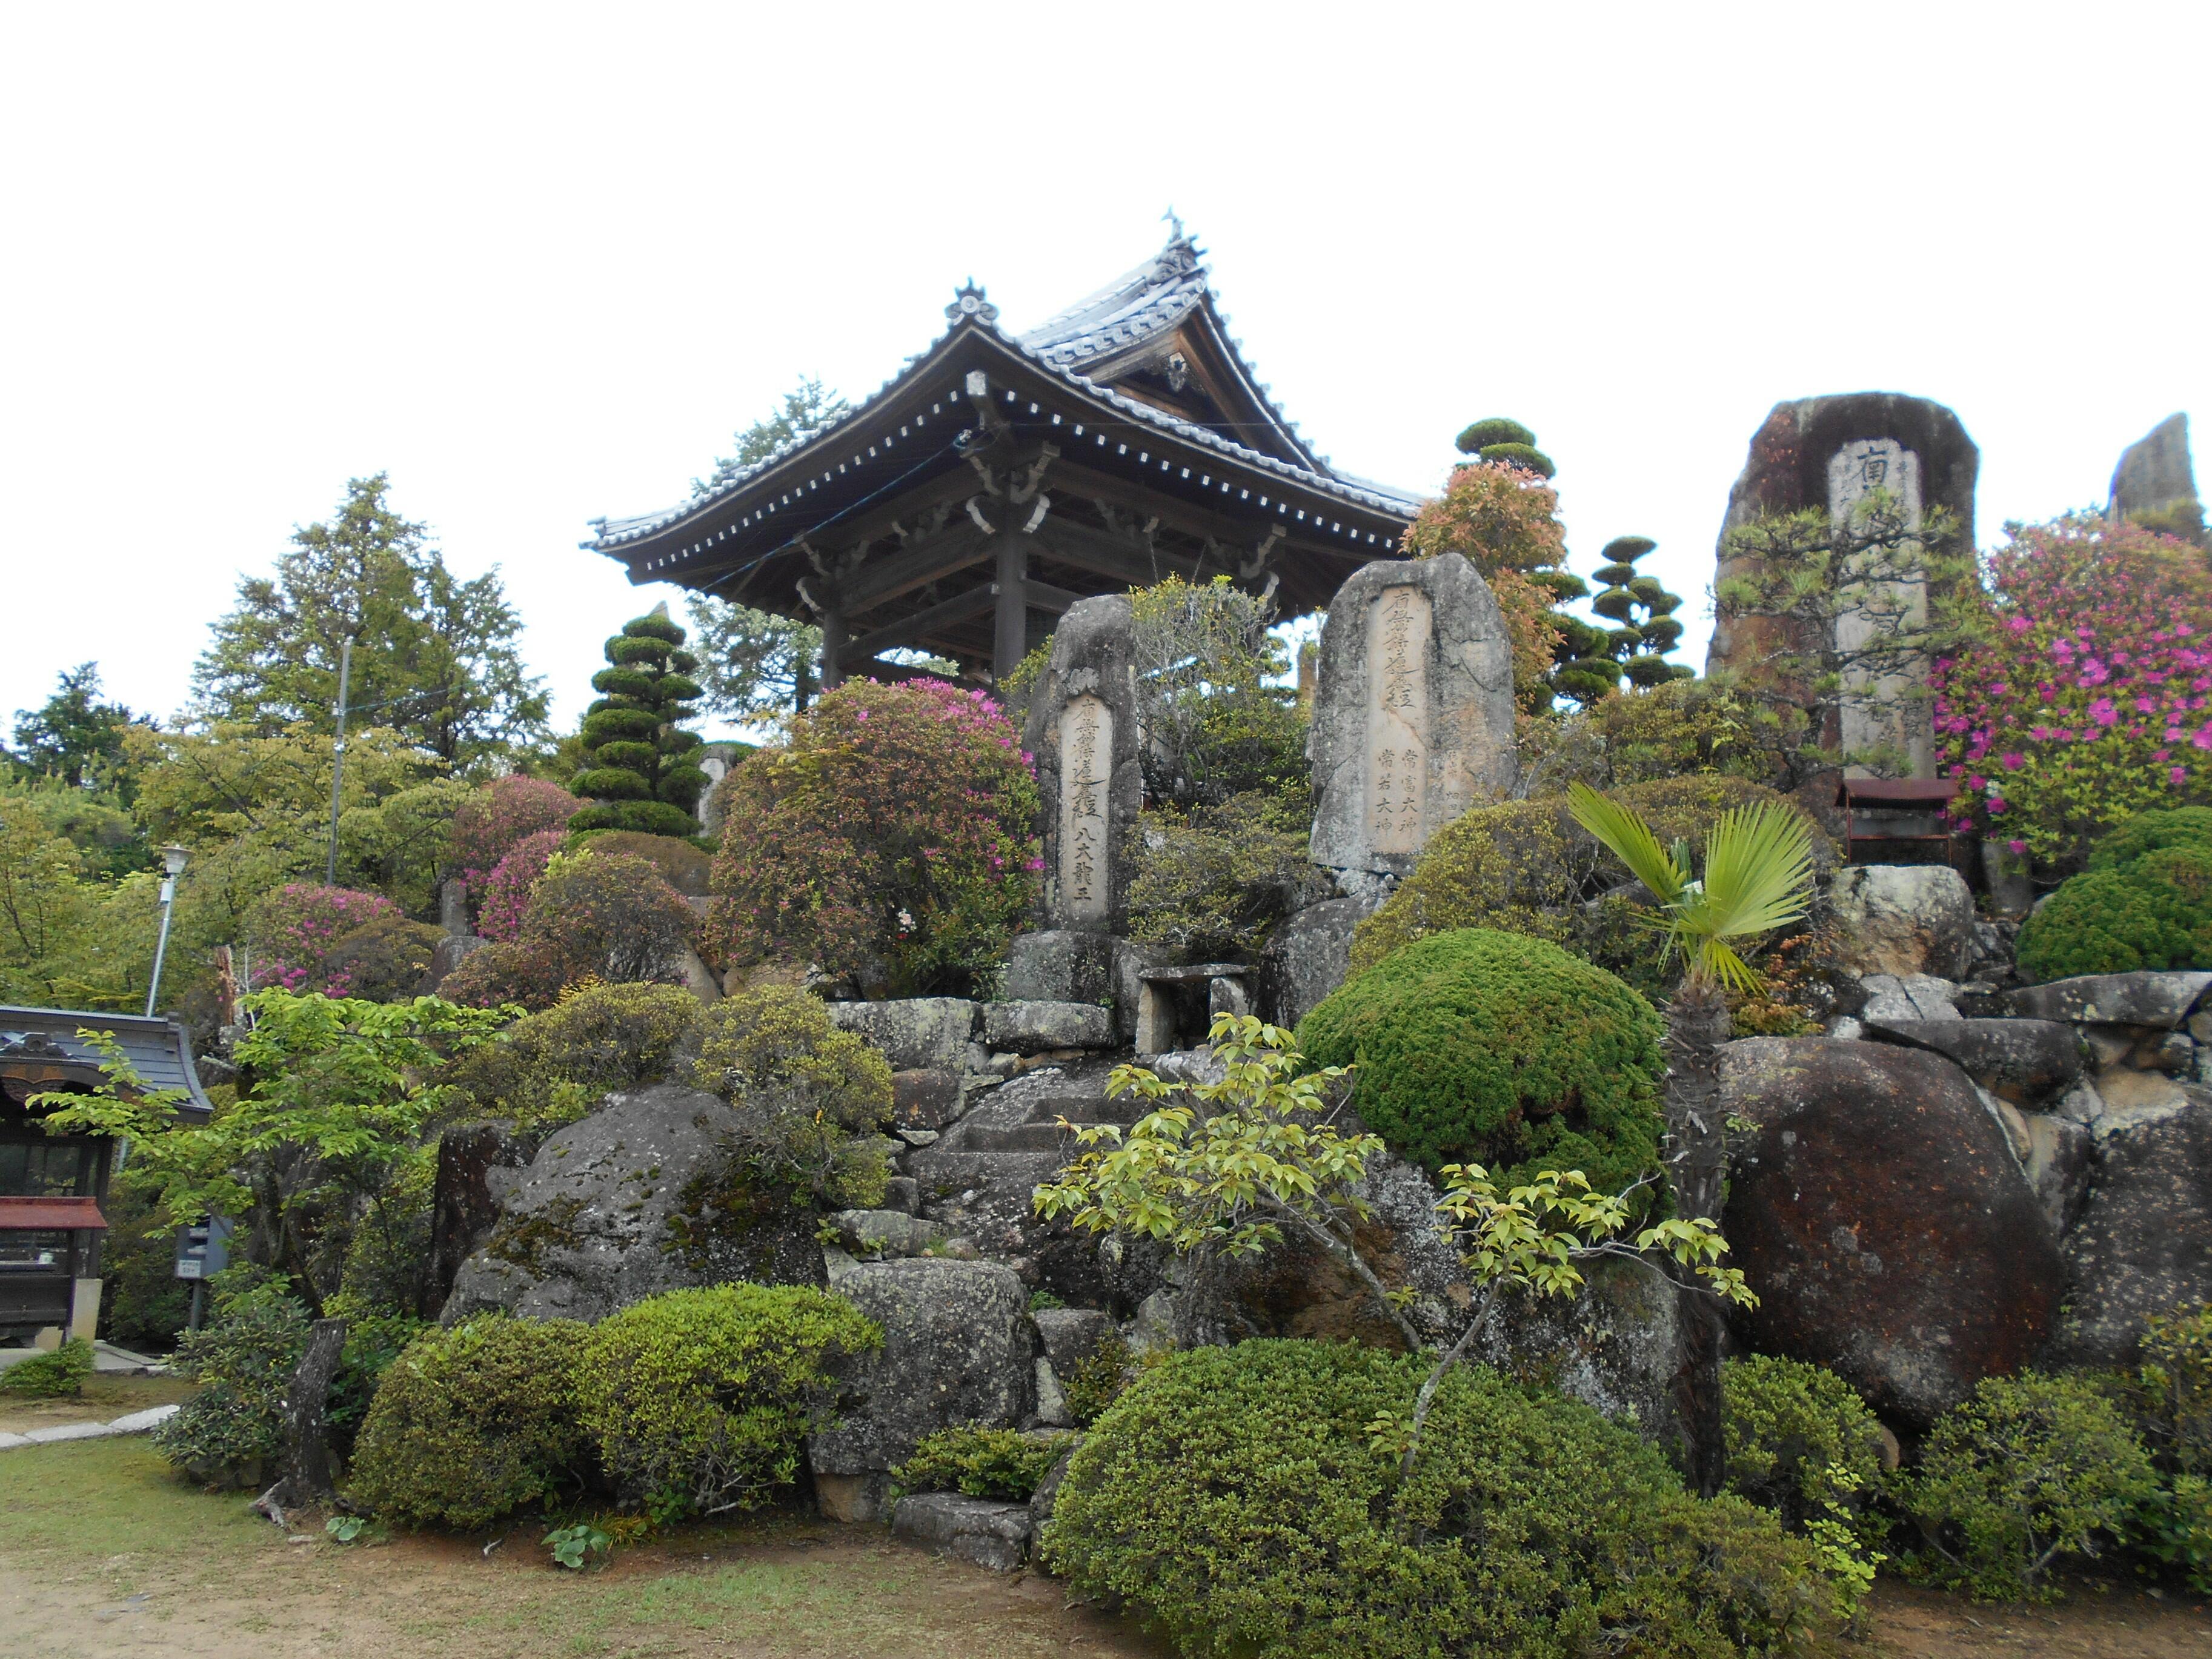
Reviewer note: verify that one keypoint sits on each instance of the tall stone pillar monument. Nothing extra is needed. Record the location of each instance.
(1833, 453)
(1412, 714)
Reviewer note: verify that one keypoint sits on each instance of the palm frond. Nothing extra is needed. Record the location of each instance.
(1758, 868)
(1628, 838)
(1715, 959)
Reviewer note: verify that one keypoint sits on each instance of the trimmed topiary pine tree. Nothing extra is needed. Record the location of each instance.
(1644, 629)
(1500, 441)
(640, 766)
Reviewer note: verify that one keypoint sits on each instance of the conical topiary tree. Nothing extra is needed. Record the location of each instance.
(1644, 629)
(639, 770)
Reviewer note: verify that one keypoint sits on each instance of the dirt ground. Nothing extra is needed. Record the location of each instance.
(104, 1555)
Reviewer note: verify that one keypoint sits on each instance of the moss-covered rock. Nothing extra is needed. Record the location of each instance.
(1481, 1046)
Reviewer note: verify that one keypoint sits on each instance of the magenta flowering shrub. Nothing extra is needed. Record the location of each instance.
(504, 896)
(891, 838)
(295, 930)
(2084, 702)
(498, 816)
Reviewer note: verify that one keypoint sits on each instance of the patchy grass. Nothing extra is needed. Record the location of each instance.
(107, 1395)
(103, 1550)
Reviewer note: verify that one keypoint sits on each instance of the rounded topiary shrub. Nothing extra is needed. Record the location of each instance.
(472, 1423)
(592, 915)
(1527, 867)
(1478, 1047)
(1237, 1500)
(700, 1402)
(293, 931)
(551, 1067)
(2152, 832)
(498, 816)
(2154, 911)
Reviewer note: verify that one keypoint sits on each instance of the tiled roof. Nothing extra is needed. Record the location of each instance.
(157, 1050)
(1148, 300)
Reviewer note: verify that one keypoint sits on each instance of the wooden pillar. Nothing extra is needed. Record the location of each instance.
(1011, 634)
(831, 617)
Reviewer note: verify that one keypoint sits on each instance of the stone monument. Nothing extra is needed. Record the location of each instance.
(2154, 476)
(1831, 452)
(1412, 714)
(1082, 730)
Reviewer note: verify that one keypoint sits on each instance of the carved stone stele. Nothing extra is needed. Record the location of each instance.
(1082, 731)
(1412, 712)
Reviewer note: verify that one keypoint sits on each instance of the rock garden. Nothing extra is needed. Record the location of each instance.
(1466, 1144)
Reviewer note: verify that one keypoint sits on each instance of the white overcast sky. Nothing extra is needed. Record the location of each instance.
(539, 262)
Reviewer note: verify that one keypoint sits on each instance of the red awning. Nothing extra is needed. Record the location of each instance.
(50, 1215)
(1894, 792)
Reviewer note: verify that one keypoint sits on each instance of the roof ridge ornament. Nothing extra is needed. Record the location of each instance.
(968, 300)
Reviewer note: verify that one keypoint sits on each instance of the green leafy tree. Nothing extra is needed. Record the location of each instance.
(74, 736)
(752, 662)
(332, 1094)
(1215, 727)
(641, 768)
(434, 657)
(1758, 878)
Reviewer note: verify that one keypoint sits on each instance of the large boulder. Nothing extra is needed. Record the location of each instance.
(914, 1033)
(2025, 1061)
(2155, 473)
(1882, 1218)
(1902, 919)
(634, 1200)
(2144, 1241)
(1061, 964)
(1307, 956)
(958, 1349)
(464, 1209)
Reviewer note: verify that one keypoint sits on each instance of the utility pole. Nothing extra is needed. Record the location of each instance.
(338, 759)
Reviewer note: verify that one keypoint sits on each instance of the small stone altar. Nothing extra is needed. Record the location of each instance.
(1413, 713)
(1083, 731)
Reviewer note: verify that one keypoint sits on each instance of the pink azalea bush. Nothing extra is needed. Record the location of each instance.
(293, 930)
(891, 838)
(503, 898)
(2083, 702)
(493, 820)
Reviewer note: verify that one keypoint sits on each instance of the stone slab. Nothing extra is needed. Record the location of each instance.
(991, 1534)
(1036, 1028)
(914, 1033)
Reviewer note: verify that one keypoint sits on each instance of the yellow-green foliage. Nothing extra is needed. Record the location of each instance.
(57, 1375)
(1237, 1500)
(1002, 1463)
(472, 1423)
(1481, 1046)
(701, 1400)
(1527, 867)
(2030, 1471)
(777, 1037)
(1800, 1440)
(551, 1068)
(1212, 882)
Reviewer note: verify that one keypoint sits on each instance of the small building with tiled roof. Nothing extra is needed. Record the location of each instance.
(1000, 477)
(51, 1187)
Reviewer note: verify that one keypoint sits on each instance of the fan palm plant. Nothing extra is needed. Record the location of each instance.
(1758, 878)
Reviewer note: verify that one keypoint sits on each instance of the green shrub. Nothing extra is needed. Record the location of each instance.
(57, 1375)
(1237, 1500)
(1801, 1442)
(1527, 867)
(1097, 1380)
(1497, 429)
(700, 1402)
(592, 915)
(1212, 882)
(472, 1423)
(1528, 456)
(2173, 1393)
(1002, 1463)
(242, 1361)
(2152, 832)
(550, 1068)
(640, 765)
(2030, 1471)
(1495, 1048)
(2153, 912)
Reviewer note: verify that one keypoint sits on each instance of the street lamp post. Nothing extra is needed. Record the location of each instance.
(173, 861)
